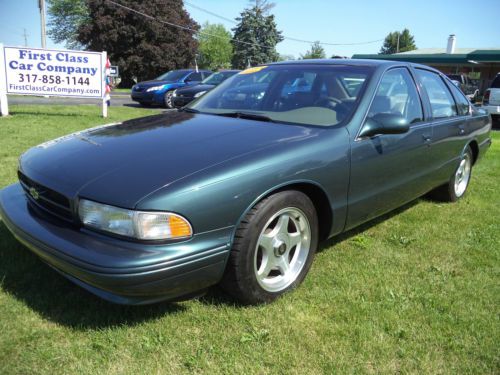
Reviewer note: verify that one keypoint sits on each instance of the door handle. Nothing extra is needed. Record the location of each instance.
(427, 138)
(461, 130)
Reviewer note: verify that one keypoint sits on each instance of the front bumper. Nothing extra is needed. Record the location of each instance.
(153, 97)
(181, 101)
(116, 270)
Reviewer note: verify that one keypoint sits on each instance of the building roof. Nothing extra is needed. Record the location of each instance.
(439, 55)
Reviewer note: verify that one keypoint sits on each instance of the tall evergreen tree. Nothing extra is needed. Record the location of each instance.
(143, 48)
(257, 29)
(391, 44)
(316, 52)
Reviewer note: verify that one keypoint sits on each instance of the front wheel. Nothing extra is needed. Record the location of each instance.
(273, 248)
(168, 99)
(459, 181)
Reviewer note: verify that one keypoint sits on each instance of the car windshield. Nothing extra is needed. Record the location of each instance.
(217, 78)
(312, 94)
(173, 75)
(496, 83)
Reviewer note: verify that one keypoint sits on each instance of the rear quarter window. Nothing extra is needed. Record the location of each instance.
(441, 100)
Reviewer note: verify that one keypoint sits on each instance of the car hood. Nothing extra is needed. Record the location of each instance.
(190, 91)
(120, 164)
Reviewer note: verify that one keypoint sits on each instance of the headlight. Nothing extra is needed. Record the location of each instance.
(136, 224)
(198, 94)
(155, 88)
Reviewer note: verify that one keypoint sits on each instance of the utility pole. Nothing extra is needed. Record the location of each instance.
(41, 5)
(25, 38)
(397, 48)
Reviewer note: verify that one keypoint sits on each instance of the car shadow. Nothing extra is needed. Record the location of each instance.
(137, 105)
(24, 276)
(369, 224)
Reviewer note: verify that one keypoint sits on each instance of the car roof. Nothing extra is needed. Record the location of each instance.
(190, 70)
(352, 62)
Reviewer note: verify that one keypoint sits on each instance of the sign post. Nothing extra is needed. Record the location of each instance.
(104, 60)
(4, 105)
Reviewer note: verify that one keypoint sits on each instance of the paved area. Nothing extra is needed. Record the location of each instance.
(116, 100)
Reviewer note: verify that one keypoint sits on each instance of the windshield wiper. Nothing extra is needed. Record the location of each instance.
(246, 115)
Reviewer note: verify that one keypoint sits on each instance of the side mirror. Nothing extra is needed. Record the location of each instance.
(384, 123)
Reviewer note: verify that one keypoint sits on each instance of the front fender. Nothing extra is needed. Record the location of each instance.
(220, 196)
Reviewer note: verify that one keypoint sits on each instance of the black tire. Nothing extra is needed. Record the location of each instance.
(448, 192)
(168, 101)
(240, 279)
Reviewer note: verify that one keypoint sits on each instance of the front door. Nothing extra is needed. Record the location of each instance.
(388, 170)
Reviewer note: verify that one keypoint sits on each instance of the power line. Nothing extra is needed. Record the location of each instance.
(284, 36)
(183, 27)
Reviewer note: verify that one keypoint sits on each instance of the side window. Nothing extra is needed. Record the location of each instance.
(462, 102)
(195, 77)
(442, 103)
(398, 95)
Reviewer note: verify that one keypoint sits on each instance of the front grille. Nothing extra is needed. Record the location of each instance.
(47, 199)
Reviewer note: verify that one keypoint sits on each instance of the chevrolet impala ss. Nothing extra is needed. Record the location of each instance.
(239, 187)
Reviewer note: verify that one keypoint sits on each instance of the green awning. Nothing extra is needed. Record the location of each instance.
(443, 58)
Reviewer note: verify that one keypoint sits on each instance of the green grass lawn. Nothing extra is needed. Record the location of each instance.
(417, 291)
(121, 91)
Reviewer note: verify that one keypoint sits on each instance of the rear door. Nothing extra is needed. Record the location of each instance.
(449, 123)
(391, 169)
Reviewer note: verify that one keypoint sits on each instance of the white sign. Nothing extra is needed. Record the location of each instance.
(33, 71)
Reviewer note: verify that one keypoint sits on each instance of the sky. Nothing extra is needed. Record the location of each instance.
(475, 23)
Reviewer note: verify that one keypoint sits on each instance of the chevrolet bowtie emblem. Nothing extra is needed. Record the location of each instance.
(34, 193)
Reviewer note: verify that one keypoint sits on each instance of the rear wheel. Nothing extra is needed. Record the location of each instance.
(273, 248)
(459, 181)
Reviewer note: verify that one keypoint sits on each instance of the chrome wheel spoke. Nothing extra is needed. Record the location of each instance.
(265, 268)
(283, 265)
(295, 240)
(266, 243)
(282, 224)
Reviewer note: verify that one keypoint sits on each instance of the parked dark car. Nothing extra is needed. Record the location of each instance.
(240, 186)
(159, 91)
(185, 95)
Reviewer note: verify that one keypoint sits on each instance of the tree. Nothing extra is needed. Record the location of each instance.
(391, 44)
(316, 52)
(215, 48)
(143, 48)
(65, 17)
(285, 57)
(255, 36)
